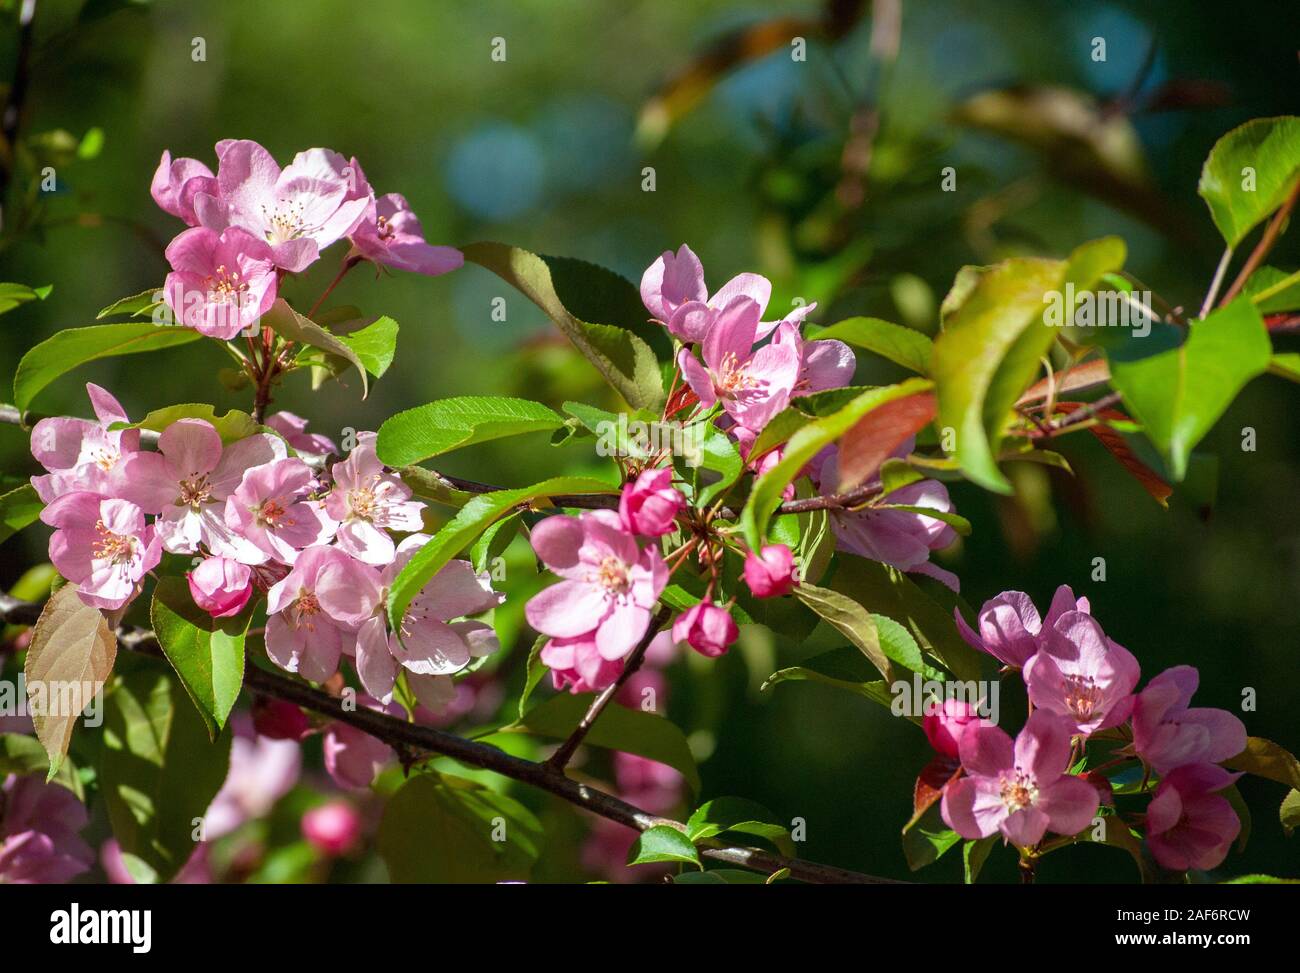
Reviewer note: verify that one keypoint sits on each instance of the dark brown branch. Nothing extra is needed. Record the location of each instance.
(1085, 412)
(425, 740)
(560, 759)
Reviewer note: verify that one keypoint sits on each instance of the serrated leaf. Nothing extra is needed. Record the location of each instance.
(207, 653)
(1240, 200)
(857, 625)
(447, 424)
(288, 323)
(740, 815)
(1264, 758)
(136, 306)
(64, 351)
(70, 658)
(662, 844)
(231, 425)
(595, 309)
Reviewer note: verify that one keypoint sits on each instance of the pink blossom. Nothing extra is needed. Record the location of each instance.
(298, 211)
(771, 573)
(354, 758)
(649, 506)
(1167, 734)
(368, 502)
(271, 509)
(753, 386)
(576, 663)
(823, 365)
(102, 546)
(1020, 789)
(294, 430)
(81, 455)
(1082, 675)
(706, 628)
(1009, 627)
(333, 828)
(302, 634)
(197, 869)
(221, 586)
(39, 825)
(261, 772)
(188, 481)
(901, 538)
(176, 183)
(389, 234)
(673, 291)
(432, 644)
(648, 784)
(1188, 824)
(221, 283)
(609, 586)
(947, 723)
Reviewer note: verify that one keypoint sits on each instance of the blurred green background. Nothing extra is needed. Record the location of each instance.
(823, 173)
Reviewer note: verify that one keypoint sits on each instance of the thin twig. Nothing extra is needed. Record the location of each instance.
(1219, 272)
(1271, 233)
(1087, 411)
(426, 740)
(560, 759)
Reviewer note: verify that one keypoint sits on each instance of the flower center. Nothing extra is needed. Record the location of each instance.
(194, 491)
(286, 223)
(225, 286)
(612, 575)
(105, 457)
(732, 377)
(384, 230)
(1019, 792)
(271, 514)
(306, 608)
(362, 503)
(117, 548)
(1082, 696)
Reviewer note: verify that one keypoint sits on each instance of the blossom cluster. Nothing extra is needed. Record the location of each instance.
(322, 546)
(1082, 685)
(252, 222)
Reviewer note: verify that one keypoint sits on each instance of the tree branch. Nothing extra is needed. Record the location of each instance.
(560, 759)
(1271, 233)
(430, 741)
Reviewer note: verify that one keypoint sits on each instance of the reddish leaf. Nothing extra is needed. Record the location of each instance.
(881, 431)
(1118, 447)
(930, 783)
(1090, 373)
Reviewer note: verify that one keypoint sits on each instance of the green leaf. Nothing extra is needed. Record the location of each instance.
(1261, 880)
(740, 815)
(843, 668)
(720, 466)
(535, 672)
(374, 345)
(447, 424)
(904, 346)
(440, 828)
(231, 426)
(136, 306)
(662, 844)
(890, 592)
(595, 309)
(206, 652)
(21, 754)
(926, 838)
(67, 349)
(19, 508)
(805, 444)
(857, 625)
(1264, 758)
(1270, 148)
(1289, 812)
(973, 856)
(617, 728)
(70, 657)
(723, 876)
(1271, 290)
(288, 323)
(458, 533)
(1179, 394)
(11, 295)
(992, 344)
(158, 771)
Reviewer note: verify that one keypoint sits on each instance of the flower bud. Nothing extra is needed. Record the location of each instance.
(771, 572)
(946, 724)
(333, 828)
(221, 586)
(706, 628)
(650, 504)
(277, 720)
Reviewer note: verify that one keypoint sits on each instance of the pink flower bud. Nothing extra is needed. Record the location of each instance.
(221, 586)
(947, 723)
(278, 720)
(706, 628)
(650, 504)
(333, 828)
(770, 573)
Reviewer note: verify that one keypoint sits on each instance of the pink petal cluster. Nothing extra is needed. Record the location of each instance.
(40, 825)
(1189, 824)
(948, 723)
(1019, 788)
(333, 828)
(707, 628)
(1168, 734)
(1010, 628)
(650, 504)
(79, 454)
(1082, 676)
(770, 573)
(601, 609)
